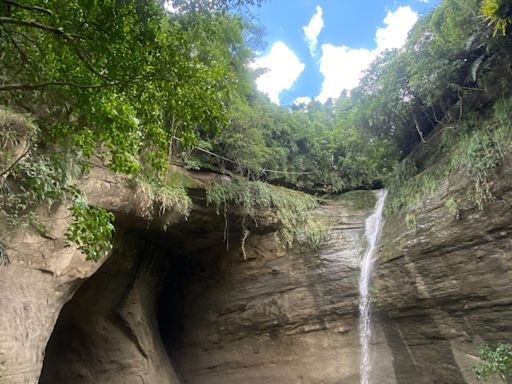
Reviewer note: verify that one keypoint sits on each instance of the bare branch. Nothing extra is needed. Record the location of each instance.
(28, 7)
(33, 24)
(13, 164)
(418, 129)
(31, 87)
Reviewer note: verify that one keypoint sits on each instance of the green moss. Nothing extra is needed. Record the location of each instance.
(358, 199)
(180, 178)
(408, 192)
(452, 206)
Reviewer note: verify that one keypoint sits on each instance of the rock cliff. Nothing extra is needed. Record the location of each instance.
(282, 316)
(444, 287)
(176, 306)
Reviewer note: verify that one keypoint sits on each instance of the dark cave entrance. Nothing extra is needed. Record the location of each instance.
(126, 321)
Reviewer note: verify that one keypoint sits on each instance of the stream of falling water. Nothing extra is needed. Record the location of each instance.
(373, 226)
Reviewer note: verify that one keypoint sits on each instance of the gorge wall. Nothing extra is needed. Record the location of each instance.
(445, 286)
(281, 316)
(175, 306)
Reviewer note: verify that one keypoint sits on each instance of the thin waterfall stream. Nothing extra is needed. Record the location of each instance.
(373, 226)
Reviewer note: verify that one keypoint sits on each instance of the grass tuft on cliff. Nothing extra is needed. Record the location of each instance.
(291, 207)
(476, 146)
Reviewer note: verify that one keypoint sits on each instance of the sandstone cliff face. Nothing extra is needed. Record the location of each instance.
(43, 274)
(108, 332)
(445, 286)
(176, 306)
(281, 316)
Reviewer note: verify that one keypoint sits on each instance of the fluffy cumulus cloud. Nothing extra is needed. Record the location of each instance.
(170, 6)
(283, 68)
(342, 67)
(303, 100)
(398, 25)
(313, 29)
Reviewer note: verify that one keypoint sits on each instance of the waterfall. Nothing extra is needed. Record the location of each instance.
(373, 227)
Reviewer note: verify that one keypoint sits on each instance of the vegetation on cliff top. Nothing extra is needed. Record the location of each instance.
(292, 207)
(141, 87)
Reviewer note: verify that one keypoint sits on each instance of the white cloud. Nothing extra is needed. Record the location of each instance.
(284, 67)
(313, 29)
(398, 25)
(303, 100)
(342, 67)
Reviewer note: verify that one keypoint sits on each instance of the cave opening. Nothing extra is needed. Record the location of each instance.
(124, 324)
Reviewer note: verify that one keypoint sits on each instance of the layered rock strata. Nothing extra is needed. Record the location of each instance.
(444, 286)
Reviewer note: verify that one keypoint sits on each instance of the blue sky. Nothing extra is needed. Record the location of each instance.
(317, 48)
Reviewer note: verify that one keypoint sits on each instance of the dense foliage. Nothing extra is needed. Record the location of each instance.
(113, 79)
(496, 362)
(91, 230)
(315, 147)
(477, 146)
(453, 63)
(141, 86)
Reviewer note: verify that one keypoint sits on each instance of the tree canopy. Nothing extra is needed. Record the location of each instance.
(123, 76)
(141, 86)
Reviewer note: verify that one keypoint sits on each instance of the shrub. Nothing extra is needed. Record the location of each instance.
(316, 230)
(477, 146)
(91, 230)
(495, 362)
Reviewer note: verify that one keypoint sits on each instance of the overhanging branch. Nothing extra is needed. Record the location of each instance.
(31, 87)
(28, 7)
(57, 31)
(32, 24)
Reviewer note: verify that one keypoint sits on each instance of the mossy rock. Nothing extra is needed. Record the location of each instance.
(361, 199)
(179, 177)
